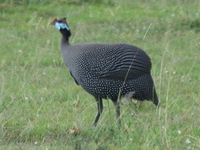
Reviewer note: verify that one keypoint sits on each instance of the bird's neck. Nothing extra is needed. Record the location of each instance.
(65, 36)
(65, 40)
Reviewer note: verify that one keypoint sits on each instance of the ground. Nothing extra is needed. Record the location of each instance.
(42, 108)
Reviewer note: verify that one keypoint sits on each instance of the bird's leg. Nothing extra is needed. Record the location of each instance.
(100, 109)
(117, 107)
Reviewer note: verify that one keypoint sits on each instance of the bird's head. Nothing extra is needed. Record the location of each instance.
(62, 25)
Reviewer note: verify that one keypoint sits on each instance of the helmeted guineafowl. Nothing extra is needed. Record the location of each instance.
(108, 70)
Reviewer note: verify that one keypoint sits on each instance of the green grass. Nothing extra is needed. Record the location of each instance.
(42, 108)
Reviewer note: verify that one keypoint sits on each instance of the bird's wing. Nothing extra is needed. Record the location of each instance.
(119, 61)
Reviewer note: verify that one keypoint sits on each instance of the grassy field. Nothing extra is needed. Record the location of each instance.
(42, 108)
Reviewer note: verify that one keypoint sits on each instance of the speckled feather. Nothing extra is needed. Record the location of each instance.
(109, 69)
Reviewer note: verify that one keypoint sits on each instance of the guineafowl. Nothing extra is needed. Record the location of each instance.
(108, 71)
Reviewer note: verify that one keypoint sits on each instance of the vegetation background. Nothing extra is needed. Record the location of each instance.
(42, 108)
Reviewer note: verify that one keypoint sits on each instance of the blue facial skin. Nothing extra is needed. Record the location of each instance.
(61, 26)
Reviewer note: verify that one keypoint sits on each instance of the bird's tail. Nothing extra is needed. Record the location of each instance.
(155, 99)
